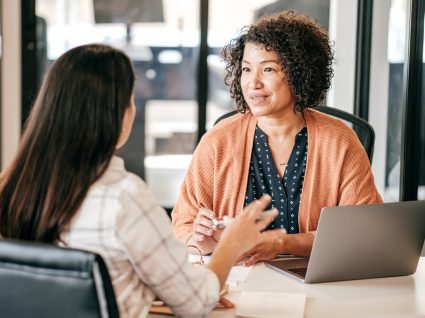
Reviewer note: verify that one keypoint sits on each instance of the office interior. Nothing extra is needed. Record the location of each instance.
(175, 47)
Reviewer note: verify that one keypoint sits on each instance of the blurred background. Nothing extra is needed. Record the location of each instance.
(175, 47)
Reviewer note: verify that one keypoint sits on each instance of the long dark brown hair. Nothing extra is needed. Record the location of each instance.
(68, 142)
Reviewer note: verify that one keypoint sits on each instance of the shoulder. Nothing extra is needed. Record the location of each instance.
(327, 128)
(117, 179)
(131, 198)
(127, 190)
(227, 129)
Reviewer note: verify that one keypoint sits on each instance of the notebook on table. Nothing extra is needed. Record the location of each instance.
(364, 241)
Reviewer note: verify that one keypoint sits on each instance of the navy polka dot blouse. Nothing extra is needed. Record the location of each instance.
(264, 178)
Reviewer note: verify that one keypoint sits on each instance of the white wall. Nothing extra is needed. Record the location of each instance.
(378, 98)
(10, 79)
(343, 30)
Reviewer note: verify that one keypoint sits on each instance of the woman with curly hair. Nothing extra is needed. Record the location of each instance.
(278, 69)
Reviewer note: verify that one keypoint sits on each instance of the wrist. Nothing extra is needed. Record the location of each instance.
(279, 239)
(204, 247)
(232, 250)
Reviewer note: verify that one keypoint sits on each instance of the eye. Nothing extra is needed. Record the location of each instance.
(245, 69)
(268, 69)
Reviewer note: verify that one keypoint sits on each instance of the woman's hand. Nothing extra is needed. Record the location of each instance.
(267, 248)
(203, 225)
(240, 236)
(245, 230)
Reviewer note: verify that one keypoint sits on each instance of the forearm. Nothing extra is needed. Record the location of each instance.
(299, 244)
(223, 258)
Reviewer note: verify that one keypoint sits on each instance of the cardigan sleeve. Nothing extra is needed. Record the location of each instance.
(357, 184)
(338, 170)
(196, 192)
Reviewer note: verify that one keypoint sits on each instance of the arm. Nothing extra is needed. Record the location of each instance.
(196, 195)
(357, 185)
(161, 263)
(275, 242)
(353, 185)
(240, 236)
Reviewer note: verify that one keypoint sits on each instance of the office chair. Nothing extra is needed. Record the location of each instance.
(363, 129)
(46, 281)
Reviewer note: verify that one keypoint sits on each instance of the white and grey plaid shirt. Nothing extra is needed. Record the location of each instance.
(120, 220)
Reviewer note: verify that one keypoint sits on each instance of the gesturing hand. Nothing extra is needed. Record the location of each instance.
(245, 230)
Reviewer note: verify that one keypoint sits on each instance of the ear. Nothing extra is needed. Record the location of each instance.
(127, 124)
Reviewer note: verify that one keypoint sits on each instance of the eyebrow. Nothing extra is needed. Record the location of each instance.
(262, 62)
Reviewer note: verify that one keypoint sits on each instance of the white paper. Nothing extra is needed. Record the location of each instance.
(270, 305)
(237, 274)
(193, 258)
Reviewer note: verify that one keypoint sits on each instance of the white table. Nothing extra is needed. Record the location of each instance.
(384, 297)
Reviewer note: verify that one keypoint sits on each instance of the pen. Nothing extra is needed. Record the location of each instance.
(221, 224)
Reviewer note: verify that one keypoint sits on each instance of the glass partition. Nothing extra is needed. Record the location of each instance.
(220, 34)
(162, 39)
(1, 76)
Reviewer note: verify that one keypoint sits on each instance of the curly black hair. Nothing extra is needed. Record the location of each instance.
(302, 47)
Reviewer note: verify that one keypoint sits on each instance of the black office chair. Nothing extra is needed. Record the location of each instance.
(46, 281)
(363, 129)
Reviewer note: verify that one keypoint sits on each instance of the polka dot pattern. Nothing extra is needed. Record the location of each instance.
(264, 178)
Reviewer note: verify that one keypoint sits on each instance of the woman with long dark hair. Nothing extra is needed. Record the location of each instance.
(66, 187)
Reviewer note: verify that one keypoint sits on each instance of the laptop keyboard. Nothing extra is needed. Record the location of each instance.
(299, 271)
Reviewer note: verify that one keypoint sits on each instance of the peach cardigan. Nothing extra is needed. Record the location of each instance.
(338, 172)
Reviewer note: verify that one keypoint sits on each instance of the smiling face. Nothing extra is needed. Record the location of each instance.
(263, 82)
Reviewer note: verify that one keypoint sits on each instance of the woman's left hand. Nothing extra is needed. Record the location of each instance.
(268, 248)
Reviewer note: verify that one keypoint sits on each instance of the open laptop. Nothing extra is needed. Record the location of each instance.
(364, 241)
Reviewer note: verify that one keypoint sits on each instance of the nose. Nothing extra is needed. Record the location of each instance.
(255, 81)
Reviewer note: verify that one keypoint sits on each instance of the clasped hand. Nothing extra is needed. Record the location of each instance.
(203, 226)
(267, 248)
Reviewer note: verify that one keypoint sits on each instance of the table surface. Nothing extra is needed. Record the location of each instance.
(393, 297)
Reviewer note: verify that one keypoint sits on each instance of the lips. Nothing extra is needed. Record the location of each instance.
(258, 97)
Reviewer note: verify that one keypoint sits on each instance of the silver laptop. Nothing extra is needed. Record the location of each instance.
(364, 241)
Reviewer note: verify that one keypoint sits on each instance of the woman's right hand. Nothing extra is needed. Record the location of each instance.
(240, 236)
(203, 225)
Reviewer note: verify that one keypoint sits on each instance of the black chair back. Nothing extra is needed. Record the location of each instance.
(43, 281)
(363, 129)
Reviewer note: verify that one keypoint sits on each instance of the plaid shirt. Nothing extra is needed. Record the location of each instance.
(120, 220)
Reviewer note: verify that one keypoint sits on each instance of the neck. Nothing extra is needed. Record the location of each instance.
(283, 126)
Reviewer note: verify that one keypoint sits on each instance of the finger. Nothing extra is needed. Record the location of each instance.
(241, 258)
(252, 260)
(226, 303)
(267, 218)
(201, 229)
(248, 254)
(255, 208)
(198, 237)
(205, 222)
(206, 213)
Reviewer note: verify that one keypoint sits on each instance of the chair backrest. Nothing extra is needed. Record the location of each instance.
(363, 129)
(42, 280)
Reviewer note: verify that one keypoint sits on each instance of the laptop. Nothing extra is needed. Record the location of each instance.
(363, 241)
